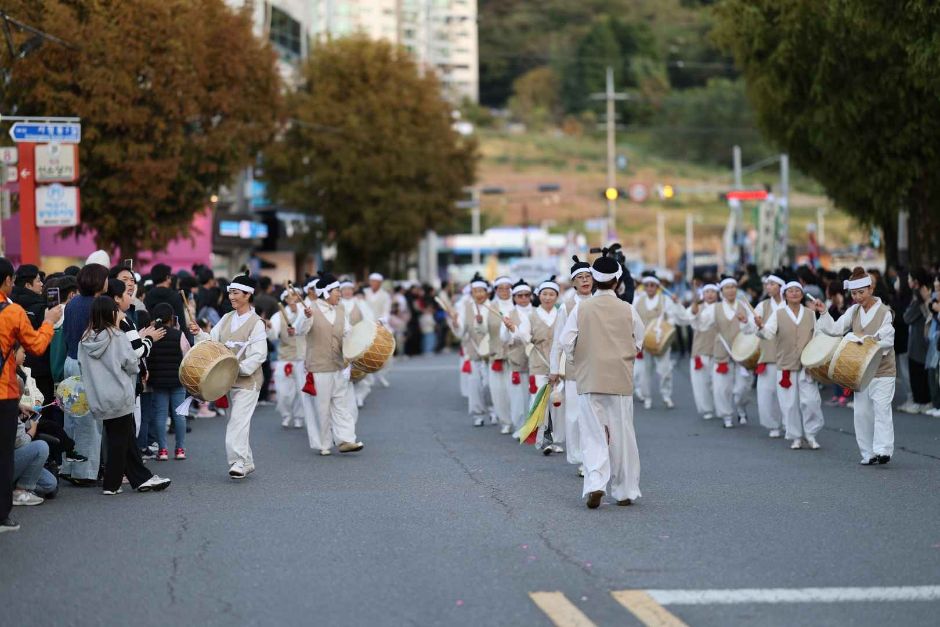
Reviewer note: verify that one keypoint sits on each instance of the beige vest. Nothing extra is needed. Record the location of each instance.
(288, 347)
(242, 334)
(792, 339)
(543, 337)
(887, 367)
(768, 348)
(648, 315)
(498, 350)
(474, 334)
(703, 342)
(727, 330)
(605, 350)
(325, 342)
(518, 362)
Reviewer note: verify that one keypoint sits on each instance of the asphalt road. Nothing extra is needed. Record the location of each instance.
(439, 523)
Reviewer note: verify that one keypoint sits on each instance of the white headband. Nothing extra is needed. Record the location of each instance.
(548, 285)
(242, 287)
(651, 279)
(710, 286)
(726, 282)
(580, 270)
(312, 285)
(286, 292)
(482, 284)
(347, 284)
(796, 284)
(329, 288)
(519, 289)
(857, 284)
(375, 276)
(600, 277)
(773, 278)
(503, 280)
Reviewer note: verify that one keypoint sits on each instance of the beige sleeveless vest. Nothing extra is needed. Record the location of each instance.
(242, 334)
(543, 336)
(605, 350)
(325, 342)
(887, 367)
(792, 339)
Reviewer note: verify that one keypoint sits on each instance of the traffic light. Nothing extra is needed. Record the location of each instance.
(611, 193)
(667, 192)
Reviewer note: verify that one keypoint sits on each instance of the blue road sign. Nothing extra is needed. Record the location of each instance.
(41, 133)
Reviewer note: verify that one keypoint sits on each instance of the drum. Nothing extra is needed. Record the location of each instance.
(658, 337)
(356, 375)
(854, 365)
(746, 350)
(208, 370)
(817, 355)
(368, 346)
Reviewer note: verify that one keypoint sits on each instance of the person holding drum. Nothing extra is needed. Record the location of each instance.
(356, 311)
(654, 307)
(499, 375)
(289, 367)
(471, 323)
(243, 332)
(604, 334)
(380, 302)
(868, 317)
(792, 327)
(768, 403)
(519, 388)
(703, 343)
(562, 366)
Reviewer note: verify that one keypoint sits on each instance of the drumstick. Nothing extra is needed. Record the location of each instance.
(443, 305)
(187, 314)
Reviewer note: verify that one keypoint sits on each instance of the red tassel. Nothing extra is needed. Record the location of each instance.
(761, 369)
(222, 402)
(532, 437)
(639, 355)
(309, 386)
(722, 368)
(516, 378)
(466, 367)
(533, 389)
(785, 380)
(698, 363)
(497, 365)
(288, 369)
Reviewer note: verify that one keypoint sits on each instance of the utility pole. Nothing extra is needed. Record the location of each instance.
(661, 239)
(736, 156)
(610, 96)
(784, 206)
(689, 247)
(475, 224)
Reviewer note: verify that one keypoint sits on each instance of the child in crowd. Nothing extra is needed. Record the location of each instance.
(166, 390)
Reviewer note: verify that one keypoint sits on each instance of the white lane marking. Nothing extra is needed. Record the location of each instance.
(795, 595)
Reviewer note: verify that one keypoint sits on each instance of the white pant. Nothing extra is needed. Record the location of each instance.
(557, 413)
(702, 385)
(732, 390)
(362, 389)
(519, 400)
(237, 428)
(661, 365)
(327, 414)
(288, 388)
(874, 425)
(499, 389)
(768, 404)
(800, 404)
(572, 427)
(639, 376)
(464, 379)
(476, 389)
(617, 461)
(351, 404)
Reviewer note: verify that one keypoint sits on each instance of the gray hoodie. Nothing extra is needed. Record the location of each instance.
(108, 366)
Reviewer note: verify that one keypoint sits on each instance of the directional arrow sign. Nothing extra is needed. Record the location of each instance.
(30, 132)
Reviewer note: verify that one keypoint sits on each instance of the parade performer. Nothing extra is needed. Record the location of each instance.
(652, 305)
(356, 311)
(868, 317)
(471, 323)
(243, 331)
(500, 375)
(792, 327)
(520, 391)
(327, 412)
(604, 334)
(380, 302)
(464, 365)
(768, 402)
(538, 329)
(583, 285)
(289, 367)
(703, 346)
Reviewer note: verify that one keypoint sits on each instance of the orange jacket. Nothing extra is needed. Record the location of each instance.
(16, 327)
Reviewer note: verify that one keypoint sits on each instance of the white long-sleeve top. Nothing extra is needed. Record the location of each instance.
(769, 330)
(569, 334)
(510, 337)
(706, 317)
(461, 328)
(256, 350)
(555, 358)
(673, 312)
(524, 330)
(295, 318)
(699, 321)
(842, 326)
(329, 312)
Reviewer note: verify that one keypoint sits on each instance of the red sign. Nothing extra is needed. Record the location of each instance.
(746, 194)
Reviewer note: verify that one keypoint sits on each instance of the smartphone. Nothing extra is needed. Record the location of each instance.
(176, 321)
(129, 264)
(52, 297)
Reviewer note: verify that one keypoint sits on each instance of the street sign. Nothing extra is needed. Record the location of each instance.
(56, 163)
(33, 133)
(8, 155)
(56, 205)
(638, 192)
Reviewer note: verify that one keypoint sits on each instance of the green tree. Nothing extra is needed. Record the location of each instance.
(850, 89)
(175, 96)
(586, 72)
(370, 148)
(536, 100)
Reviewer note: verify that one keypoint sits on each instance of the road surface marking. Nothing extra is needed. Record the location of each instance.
(561, 611)
(794, 595)
(646, 609)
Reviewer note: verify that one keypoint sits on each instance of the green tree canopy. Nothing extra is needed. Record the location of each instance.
(371, 149)
(175, 96)
(851, 89)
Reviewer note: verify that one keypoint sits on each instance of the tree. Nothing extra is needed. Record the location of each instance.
(851, 89)
(175, 96)
(586, 73)
(535, 98)
(370, 149)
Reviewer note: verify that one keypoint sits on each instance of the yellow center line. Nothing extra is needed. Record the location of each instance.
(561, 611)
(645, 608)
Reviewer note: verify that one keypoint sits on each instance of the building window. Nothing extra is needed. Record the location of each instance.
(285, 34)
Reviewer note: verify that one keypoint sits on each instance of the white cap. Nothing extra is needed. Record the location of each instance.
(100, 257)
(375, 276)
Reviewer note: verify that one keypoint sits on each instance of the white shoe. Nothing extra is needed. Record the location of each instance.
(505, 430)
(298, 423)
(925, 408)
(325, 451)
(155, 484)
(908, 408)
(112, 493)
(237, 470)
(360, 403)
(813, 444)
(494, 419)
(774, 433)
(25, 497)
(478, 422)
(286, 422)
(742, 419)
(648, 404)
(557, 449)
(708, 415)
(249, 468)
(669, 404)
(933, 412)
(797, 444)
(850, 404)
(729, 424)
(581, 470)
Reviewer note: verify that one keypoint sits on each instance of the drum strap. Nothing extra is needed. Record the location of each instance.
(724, 343)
